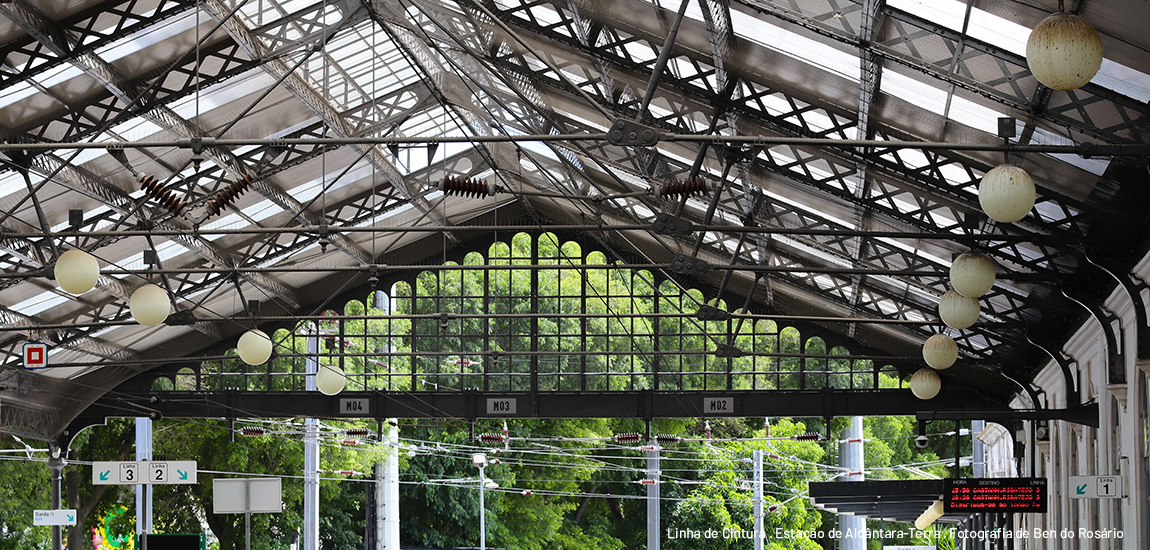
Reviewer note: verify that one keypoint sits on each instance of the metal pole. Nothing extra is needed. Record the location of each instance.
(387, 493)
(482, 512)
(653, 497)
(760, 536)
(978, 461)
(56, 463)
(247, 530)
(851, 458)
(311, 454)
(1083, 149)
(143, 492)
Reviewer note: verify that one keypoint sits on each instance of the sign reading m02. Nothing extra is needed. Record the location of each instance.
(718, 405)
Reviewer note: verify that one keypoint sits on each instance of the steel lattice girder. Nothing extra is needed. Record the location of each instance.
(27, 57)
(905, 39)
(355, 211)
(893, 176)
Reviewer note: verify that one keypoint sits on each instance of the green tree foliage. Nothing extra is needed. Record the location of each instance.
(602, 328)
(22, 489)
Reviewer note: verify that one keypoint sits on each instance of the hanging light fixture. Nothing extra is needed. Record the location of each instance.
(972, 275)
(76, 271)
(1006, 193)
(958, 311)
(940, 351)
(254, 347)
(929, 516)
(925, 384)
(1064, 51)
(149, 305)
(330, 379)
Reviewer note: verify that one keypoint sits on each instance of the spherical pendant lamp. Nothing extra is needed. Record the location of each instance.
(940, 351)
(330, 379)
(1006, 193)
(972, 275)
(77, 271)
(925, 384)
(1064, 52)
(254, 347)
(149, 305)
(958, 311)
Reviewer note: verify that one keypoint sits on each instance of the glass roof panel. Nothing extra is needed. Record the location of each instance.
(16, 92)
(41, 302)
(140, 41)
(11, 183)
(165, 251)
(1012, 37)
(795, 45)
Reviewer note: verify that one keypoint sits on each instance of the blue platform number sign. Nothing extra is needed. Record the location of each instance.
(35, 355)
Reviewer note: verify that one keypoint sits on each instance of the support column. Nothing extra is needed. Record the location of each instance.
(652, 482)
(978, 452)
(56, 464)
(851, 459)
(757, 460)
(387, 493)
(311, 456)
(143, 492)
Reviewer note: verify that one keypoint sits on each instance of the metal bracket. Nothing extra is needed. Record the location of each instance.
(629, 132)
(724, 351)
(1115, 363)
(666, 224)
(711, 313)
(688, 265)
(1064, 363)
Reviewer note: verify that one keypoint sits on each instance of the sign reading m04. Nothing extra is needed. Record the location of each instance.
(354, 407)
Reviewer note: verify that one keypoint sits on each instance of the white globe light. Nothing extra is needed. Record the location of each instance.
(958, 311)
(77, 271)
(330, 379)
(1064, 52)
(1006, 193)
(925, 384)
(972, 275)
(940, 351)
(254, 347)
(149, 305)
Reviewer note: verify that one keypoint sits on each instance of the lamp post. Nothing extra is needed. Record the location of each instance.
(480, 461)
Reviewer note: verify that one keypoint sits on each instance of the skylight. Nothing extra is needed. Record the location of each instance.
(39, 303)
(1012, 37)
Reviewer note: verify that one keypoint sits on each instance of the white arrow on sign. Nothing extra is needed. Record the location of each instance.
(54, 517)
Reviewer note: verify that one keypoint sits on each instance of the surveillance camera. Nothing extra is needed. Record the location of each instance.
(921, 442)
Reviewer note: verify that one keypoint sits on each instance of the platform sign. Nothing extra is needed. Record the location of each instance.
(172, 472)
(261, 495)
(145, 472)
(53, 517)
(718, 405)
(35, 355)
(355, 407)
(502, 406)
(1095, 487)
(1013, 494)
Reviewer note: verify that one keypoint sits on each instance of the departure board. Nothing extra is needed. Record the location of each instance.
(1015, 494)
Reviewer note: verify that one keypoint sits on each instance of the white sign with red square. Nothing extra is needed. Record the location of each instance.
(35, 355)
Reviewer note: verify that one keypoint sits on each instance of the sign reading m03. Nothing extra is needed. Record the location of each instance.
(501, 406)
